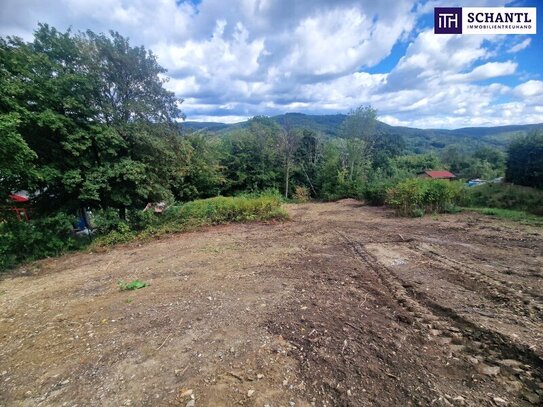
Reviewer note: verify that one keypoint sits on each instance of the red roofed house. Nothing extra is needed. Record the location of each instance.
(438, 175)
(19, 204)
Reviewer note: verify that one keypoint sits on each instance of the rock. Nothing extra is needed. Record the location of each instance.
(435, 332)
(473, 360)
(250, 393)
(460, 400)
(457, 348)
(531, 397)
(190, 403)
(445, 340)
(487, 370)
(186, 393)
(500, 402)
(259, 376)
(510, 362)
(513, 385)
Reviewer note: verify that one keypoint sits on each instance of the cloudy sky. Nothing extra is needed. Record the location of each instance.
(230, 60)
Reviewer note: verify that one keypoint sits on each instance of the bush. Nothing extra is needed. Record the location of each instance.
(193, 214)
(506, 196)
(301, 194)
(415, 197)
(525, 160)
(52, 236)
(35, 239)
(375, 193)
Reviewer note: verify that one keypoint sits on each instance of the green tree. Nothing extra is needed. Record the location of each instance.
(95, 113)
(251, 157)
(525, 160)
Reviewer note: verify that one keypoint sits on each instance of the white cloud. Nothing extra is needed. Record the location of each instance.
(520, 46)
(486, 71)
(530, 89)
(232, 60)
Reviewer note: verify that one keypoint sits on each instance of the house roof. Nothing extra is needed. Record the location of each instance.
(440, 174)
(18, 198)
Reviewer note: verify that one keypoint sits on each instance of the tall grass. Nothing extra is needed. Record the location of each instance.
(191, 215)
(415, 197)
(506, 196)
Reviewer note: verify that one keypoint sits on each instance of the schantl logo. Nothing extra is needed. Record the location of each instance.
(448, 20)
(485, 20)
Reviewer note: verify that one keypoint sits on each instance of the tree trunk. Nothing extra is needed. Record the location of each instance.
(287, 175)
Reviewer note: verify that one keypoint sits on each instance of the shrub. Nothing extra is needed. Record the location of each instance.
(415, 197)
(301, 194)
(375, 193)
(107, 220)
(193, 214)
(35, 239)
(52, 236)
(506, 196)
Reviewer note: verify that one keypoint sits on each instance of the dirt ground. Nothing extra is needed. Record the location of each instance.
(343, 305)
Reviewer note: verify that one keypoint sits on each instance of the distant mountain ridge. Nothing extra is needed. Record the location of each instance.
(417, 140)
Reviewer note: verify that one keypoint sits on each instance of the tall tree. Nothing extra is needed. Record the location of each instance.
(94, 112)
(525, 160)
(289, 141)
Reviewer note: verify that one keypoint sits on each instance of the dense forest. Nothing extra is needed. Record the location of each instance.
(86, 122)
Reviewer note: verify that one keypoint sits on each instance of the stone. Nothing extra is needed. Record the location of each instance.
(487, 370)
(473, 360)
(460, 400)
(500, 402)
(250, 393)
(510, 363)
(531, 397)
(186, 393)
(190, 403)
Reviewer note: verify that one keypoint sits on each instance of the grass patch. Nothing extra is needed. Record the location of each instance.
(506, 196)
(509, 214)
(132, 285)
(195, 214)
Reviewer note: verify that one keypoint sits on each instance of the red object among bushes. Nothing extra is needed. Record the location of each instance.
(20, 211)
(440, 174)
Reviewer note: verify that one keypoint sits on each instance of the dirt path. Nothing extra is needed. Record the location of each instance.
(345, 305)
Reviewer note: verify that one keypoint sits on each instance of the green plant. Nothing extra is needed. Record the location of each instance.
(506, 196)
(513, 215)
(35, 239)
(301, 194)
(415, 197)
(132, 285)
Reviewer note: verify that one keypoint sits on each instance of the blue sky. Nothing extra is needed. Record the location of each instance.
(230, 60)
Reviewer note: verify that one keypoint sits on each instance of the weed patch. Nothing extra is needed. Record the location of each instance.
(132, 285)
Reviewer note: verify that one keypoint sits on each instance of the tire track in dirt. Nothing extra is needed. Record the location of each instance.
(476, 342)
(495, 288)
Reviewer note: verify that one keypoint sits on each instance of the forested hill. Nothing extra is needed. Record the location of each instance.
(417, 140)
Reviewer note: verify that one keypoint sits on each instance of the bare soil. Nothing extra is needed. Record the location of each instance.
(344, 305)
